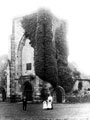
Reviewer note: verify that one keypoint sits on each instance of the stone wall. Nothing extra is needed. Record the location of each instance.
(12, 64)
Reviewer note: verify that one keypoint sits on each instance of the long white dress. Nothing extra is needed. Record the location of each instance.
(50, 102)
(44, 105)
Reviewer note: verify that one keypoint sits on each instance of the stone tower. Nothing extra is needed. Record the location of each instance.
(22, 74)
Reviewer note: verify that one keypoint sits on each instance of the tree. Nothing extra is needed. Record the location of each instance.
(76, 74)
(50, 61)
(38, 28)
(74, 71)
(45, 62)
(65, 78)
(61, 44)
(64, 73)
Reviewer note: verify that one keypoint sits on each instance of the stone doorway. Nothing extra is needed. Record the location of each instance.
(60, 94)
(28, 91)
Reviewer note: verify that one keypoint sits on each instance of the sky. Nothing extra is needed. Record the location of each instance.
(76, 13)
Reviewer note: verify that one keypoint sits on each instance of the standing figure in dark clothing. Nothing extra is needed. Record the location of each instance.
(44, 97)
(24, 103)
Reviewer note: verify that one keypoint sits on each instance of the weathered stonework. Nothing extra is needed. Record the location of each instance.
(12, 64)
(85, 89)
(21, 54)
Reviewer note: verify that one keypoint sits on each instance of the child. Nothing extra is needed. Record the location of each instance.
(45, 105)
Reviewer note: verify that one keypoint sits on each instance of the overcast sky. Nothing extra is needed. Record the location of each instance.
(75, 12)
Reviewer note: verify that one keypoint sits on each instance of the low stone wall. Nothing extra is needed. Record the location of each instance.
(78, 99)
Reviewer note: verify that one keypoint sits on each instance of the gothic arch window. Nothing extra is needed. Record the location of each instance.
(25, 56)
(19, 54)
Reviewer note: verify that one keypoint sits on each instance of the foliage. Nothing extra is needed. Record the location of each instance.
(44, 94)
(38, 28)
(29, 24)
(45, 62)
(75, 72)
(65, 78)
(64, 73)
(75, 92)
(50, 61)
(61, 44)
(32, 77)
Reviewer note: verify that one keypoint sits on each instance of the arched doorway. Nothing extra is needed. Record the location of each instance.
(60, 94)
(2, 94)
(27, 90)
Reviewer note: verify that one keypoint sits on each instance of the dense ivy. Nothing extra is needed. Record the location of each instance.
(65, 78)
(29, 24)
(45, 62)
(50, 60)
(64, 73)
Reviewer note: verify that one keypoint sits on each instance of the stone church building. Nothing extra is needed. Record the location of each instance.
(23, 80)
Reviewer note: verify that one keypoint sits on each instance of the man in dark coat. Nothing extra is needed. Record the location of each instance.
(24, 103)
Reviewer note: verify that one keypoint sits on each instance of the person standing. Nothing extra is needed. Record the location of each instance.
(50, 102)
(45, 105)
(45, 102)
(24, 103)
(44, 98)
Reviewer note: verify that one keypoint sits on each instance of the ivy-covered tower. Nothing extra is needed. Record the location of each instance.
(35, 53)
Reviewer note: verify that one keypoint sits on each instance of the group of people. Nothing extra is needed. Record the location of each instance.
(48, 103)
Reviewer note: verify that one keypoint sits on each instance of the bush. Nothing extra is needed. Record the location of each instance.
(75, 92)
(13, 98)
(65, 79)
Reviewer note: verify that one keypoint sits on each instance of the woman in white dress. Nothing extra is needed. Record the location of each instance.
(50, 102)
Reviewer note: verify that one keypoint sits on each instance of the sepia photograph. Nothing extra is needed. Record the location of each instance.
(45, 60)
